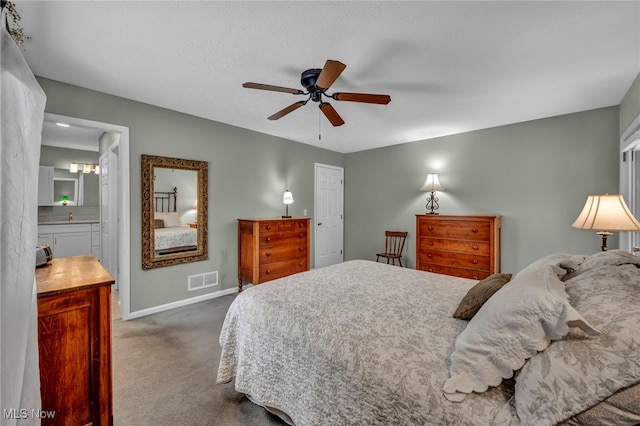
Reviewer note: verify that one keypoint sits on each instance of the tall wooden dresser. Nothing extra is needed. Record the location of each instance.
(272, 248)
(74, 341)
(463, 246)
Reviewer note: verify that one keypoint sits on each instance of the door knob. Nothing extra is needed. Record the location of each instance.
(319, 223)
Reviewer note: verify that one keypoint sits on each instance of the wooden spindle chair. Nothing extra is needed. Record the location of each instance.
(393, 246)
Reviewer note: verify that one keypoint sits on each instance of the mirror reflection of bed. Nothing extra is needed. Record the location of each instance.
(172, 234)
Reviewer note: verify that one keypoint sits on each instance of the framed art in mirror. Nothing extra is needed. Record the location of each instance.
(174, 211)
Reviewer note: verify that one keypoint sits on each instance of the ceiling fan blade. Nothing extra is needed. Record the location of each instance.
(362, 97)
(287, 110)
(331, 114)
(329, 73)
(260, 86)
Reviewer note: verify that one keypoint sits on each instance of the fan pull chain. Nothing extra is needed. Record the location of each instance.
(319, 125)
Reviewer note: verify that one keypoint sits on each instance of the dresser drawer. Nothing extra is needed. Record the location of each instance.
(283, 226)
(462, 246)
(278, 239)
(273, 270)
(272, 254)
(452, 270)
(455, 259)
(466, 230)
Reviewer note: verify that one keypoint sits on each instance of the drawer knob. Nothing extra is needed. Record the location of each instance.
(474, 230)
(301, 225)
(430, 270)
(301, 235)
(299, 263)
(430, 243)
(268, 271)
(300, 248)
(268, 253)
(474, 261)
(475, 247)
(430, 256)
(268, 239)
(268, 227)
(430, 228)
(475, 277)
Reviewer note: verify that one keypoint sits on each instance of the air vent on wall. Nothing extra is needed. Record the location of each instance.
(200, 281)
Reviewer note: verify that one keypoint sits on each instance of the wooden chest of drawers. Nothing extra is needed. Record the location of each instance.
(272, 248)
(74, 341)
(463, 246)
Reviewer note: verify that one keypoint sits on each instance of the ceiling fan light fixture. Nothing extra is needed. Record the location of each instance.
(317, 81)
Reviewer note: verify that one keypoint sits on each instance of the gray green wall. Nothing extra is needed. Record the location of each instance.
(248, 173)
(630, 106)
(536, 174)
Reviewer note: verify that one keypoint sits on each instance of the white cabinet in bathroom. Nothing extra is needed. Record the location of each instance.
(71, 239)
(45, 186)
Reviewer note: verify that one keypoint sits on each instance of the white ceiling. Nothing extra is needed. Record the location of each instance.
(72, 137)
(449, 67)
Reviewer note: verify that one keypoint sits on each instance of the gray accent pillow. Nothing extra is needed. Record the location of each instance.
(479, 294)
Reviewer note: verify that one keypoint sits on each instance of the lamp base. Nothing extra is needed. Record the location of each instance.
(604, 235)
(286, 217)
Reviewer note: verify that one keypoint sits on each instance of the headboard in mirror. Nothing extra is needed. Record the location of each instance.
(174, 211)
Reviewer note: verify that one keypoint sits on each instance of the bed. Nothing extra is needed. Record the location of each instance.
(171, 235)
(369, 343)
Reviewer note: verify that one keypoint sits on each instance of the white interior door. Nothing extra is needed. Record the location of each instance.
(329, 221)
(109, 211)
(105, 240)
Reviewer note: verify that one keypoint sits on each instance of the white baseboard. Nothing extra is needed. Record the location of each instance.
(183, 302)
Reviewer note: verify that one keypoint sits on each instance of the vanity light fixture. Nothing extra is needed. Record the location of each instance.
(86, 167)
(432, 184)
(606, 213)
(287, 199)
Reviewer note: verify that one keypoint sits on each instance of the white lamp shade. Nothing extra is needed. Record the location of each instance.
(86, 168)
(606, 213)
(432, 183)
(73, 167)
(287, 198)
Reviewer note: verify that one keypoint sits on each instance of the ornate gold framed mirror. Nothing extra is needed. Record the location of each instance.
(174, 211)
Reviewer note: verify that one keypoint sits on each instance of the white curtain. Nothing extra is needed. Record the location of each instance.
(22, 112)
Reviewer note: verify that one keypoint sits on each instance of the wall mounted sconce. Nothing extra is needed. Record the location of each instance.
(65, 200)
(287, 199)
(432, 184)
(86, 167)
(606, 213)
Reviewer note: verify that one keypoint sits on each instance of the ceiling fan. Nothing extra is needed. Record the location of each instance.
(317, 81)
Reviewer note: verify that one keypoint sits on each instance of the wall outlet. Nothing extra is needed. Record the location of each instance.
(304, 212)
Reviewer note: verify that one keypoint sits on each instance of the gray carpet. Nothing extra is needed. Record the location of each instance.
(165, 367)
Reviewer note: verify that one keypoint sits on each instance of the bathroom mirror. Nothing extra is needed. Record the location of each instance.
(65, 192)
(174, 211)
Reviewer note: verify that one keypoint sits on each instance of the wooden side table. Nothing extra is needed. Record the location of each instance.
(74, 340)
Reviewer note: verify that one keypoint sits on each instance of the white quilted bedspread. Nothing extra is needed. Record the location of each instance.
(354, 343)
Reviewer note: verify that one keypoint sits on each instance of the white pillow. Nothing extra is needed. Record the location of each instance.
(518, 321)
(170, 219)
